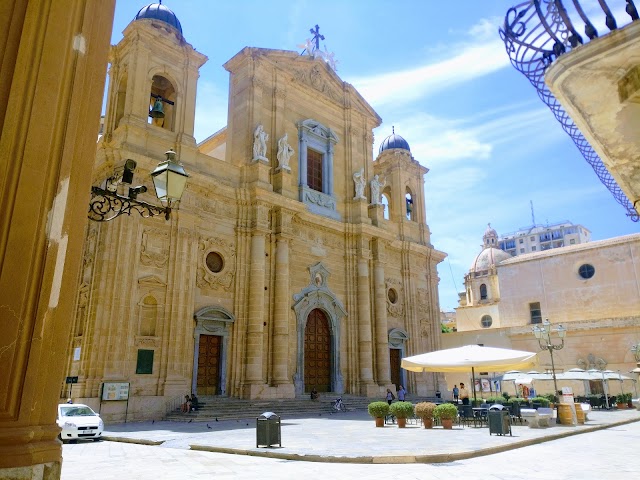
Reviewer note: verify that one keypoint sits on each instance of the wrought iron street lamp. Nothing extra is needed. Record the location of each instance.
(169, 180)
(543, 334)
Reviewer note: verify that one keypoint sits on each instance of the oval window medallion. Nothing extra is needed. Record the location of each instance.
(214, 262)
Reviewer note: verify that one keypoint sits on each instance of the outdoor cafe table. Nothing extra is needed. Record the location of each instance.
(480, 413)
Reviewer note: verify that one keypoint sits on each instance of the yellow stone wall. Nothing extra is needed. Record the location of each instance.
(145, 283)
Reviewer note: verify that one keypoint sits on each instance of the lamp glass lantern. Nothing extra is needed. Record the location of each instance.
(169, 179)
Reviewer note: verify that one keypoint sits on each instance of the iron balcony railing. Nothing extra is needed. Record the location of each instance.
(537, 32)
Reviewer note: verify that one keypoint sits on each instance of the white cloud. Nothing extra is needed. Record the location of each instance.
(484, 54)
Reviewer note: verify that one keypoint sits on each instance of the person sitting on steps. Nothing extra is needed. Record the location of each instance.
(186, 406)
(314, 394)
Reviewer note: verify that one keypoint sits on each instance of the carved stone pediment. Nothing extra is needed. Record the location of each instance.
(151, 281)
(307, 71)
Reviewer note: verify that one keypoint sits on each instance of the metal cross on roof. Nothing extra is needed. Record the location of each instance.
(316, 37)
(312, 48)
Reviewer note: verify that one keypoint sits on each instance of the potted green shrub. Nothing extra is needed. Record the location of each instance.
(544, 402)
(424, 410)
(621, 400)
(446, 412)
(378, 410)
(402, 411)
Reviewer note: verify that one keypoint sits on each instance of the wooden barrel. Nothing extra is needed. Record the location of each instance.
(565, 415)
(580, 414)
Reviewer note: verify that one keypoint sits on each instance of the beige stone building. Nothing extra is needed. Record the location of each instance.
(593, 289)
(583, 63)
(282, 270)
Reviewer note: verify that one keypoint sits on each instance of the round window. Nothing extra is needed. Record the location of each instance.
(586, 271)
(486, 321)
(214, 262)
(392, 295)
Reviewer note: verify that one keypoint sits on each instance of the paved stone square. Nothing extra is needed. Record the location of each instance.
(349, 445)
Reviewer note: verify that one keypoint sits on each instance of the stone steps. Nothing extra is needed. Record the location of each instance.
(225, 408)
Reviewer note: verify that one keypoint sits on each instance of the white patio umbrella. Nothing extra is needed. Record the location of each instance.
(600, 375)
(467, 358)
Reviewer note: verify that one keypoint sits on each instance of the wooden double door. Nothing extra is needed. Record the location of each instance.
(317, 352)
(209, 355)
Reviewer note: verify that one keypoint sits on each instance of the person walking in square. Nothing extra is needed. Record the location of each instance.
(464, 394)
(456, 394)
(401, 393)
(390, 397)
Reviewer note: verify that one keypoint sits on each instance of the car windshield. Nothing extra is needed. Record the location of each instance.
(72, 411)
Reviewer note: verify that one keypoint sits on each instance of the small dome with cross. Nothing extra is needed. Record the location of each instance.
(394, 141)
(157, 11)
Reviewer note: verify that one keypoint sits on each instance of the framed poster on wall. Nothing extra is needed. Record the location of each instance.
(115, 391)
(486, 386)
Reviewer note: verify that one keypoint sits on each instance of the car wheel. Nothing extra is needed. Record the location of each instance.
(97, 439)
(73, 440)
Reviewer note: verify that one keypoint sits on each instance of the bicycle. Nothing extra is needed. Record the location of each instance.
(338, 405)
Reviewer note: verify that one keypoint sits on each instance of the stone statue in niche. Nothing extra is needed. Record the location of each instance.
(359, 183)
(376, 185)
(284, 153)
(260, 138)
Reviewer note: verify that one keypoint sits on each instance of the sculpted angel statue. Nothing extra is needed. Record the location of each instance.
(260, 138)
(359, 181)
(376, 185)
(284, 152)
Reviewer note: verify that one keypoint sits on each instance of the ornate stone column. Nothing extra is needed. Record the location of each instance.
(365, 347)
(282, 308)
(257, 315)
(302, 159)
(255, 327)
(380, 301)
(51, 89)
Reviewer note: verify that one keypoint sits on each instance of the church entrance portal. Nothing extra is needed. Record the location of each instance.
(317, 352)
(209, 350)
(394, 359)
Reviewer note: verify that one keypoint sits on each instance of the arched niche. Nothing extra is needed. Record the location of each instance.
(318, 295)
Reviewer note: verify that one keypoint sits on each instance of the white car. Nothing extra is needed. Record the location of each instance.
(79, 421)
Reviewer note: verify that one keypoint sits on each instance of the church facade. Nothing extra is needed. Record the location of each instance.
(296, 260)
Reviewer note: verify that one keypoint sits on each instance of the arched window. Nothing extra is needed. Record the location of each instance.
(483, 292)
(162, 103)
(385, 203)
(410, 207)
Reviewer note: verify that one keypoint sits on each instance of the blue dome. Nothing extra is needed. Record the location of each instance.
(157, 11)
(394, 141)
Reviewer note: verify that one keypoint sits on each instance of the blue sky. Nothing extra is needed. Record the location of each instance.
(439, 73)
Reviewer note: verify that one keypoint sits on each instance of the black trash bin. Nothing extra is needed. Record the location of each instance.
(268, 430)
(499, 420)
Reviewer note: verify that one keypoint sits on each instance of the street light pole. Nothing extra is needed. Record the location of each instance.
(543, 334)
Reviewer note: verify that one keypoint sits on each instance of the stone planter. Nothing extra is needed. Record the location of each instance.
(402, 422)
(379, 422)
(427, 422)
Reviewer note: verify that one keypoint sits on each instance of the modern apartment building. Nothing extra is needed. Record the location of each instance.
(537, 238)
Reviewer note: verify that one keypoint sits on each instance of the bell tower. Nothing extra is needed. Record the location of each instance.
(402, 194)
(152, 82)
